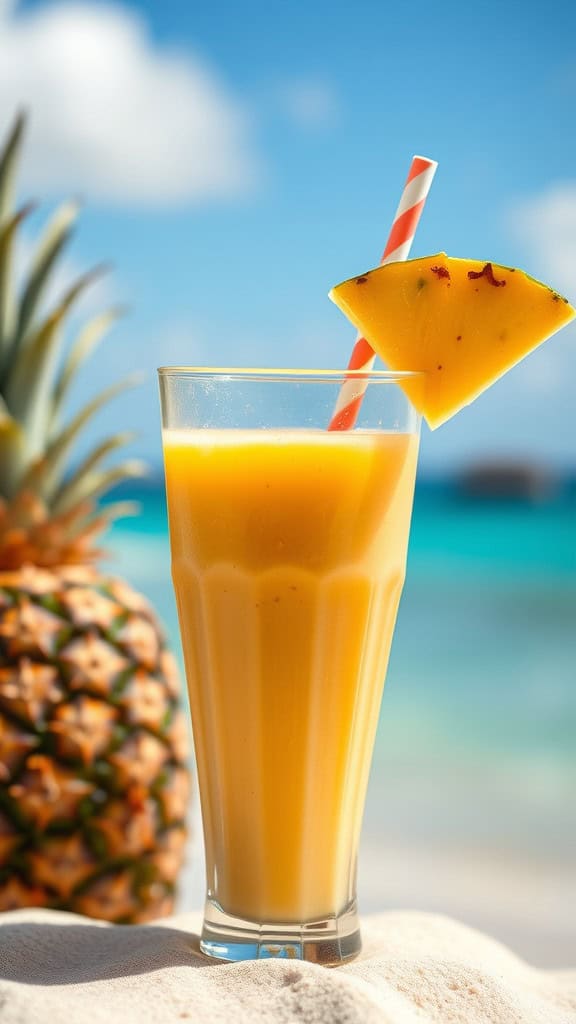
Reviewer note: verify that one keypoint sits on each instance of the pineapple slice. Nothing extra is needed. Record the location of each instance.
(463, 323)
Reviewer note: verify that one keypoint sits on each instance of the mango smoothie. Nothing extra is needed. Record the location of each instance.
(288, 554)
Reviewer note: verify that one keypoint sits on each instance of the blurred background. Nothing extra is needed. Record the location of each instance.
(235, 162)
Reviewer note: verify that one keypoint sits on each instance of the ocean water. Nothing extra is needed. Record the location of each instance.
(471, 803)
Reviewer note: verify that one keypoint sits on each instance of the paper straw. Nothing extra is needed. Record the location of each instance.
(404, 226)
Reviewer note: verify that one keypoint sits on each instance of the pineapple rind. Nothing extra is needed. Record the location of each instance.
(119, 798)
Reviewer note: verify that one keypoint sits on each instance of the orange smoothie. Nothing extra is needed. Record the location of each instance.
(289, 551)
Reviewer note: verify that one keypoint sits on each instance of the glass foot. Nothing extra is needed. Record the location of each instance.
(329, 942)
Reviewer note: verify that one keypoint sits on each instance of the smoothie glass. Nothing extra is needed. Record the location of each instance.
(288, 558)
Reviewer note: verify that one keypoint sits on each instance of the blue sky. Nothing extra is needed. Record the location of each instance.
(236, 160)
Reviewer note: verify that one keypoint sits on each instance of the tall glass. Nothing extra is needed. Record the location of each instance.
(288, 558)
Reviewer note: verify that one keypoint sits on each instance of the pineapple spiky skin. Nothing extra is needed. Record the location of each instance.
(94, 784)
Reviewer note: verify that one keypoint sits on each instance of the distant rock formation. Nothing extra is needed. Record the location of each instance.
(508, 480)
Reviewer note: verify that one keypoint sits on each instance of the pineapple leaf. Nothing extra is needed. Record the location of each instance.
(11, 452)
(87, 525)
(45, 475)
(8, 233)
(9, 165)
(119, 510)
(28, 389)
(51, 245)
(94, 484)
(72, 490)
(90, 335)
(84, 524)
(35, 445)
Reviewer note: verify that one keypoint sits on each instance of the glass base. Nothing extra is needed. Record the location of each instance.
(329, 942)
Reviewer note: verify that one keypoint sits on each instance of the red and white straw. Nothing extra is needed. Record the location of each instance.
(404, 226)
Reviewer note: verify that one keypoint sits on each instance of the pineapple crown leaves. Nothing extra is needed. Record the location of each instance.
(35, 379)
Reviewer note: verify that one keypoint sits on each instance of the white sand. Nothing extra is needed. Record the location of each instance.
(415, 968)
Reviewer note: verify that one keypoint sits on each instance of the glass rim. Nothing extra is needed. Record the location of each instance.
(287, 373)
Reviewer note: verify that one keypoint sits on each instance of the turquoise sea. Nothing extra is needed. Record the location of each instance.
(472, 799)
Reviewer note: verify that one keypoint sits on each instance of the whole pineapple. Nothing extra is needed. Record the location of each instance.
(93, 745)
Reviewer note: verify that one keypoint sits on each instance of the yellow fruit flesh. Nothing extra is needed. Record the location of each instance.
(462, 331)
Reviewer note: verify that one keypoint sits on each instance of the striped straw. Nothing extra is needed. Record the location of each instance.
(410, 207)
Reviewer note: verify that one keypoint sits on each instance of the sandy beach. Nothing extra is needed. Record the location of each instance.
(414, 968)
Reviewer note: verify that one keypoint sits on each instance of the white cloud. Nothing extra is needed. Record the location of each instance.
(310, 103)
(115, 116)
(546, 224)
